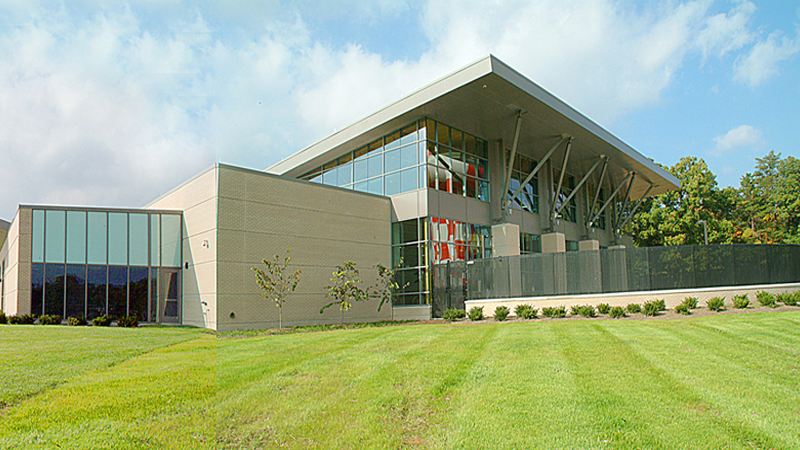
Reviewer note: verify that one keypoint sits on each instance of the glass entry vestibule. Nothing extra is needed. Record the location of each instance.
(88, 263)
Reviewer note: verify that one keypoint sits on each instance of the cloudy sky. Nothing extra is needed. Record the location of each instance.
(114, 103)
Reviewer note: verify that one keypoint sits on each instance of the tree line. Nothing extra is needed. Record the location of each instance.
(764, 209)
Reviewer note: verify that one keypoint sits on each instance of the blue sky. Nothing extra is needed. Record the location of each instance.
(114, 103)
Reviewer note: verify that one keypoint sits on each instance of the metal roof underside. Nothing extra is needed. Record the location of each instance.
(484, 99)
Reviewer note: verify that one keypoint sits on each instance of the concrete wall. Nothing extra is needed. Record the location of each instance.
(671, 298)
(197, 198)
(261, 215)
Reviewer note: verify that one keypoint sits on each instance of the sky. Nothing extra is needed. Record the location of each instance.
(115, 103)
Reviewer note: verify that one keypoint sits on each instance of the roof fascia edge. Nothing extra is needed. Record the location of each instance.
(417, 98)
(508, 73)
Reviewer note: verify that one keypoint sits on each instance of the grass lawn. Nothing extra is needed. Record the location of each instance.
(700, 382)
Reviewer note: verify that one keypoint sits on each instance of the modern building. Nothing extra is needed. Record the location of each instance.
(480, 163)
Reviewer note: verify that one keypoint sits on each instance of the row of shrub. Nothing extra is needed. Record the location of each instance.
(54, 319)
(649, 308)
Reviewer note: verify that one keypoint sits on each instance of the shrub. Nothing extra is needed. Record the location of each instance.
(24, 319)
(787, 298)
(634, 308)
(54, 319)
(683, 308)
(554, 312)
(76, 321)
(651, 308)
(617, 312)
(741, 301)
(662, 305)
(454, 314)
(102, 321)
(501, 313)
(766, 299)
(690, 302)
(476, 313)
(716, 303)
(603, 308)
(584, 310)
(525, 312)
(3, 318)
(128, 321)
(793, 299)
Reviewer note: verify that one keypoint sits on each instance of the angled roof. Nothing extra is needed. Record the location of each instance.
(484, 98)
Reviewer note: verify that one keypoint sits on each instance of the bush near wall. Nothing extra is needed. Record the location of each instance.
(475, 313)
(716, 304)
(617, 312)
(554, 312)
(501, 313)
(525, 311)
(131, 321)
(3, 318)
(24, 319)
(102, 321)
(741, 301)
(453, 314)
(766, 299)
(76, 321)
(603, 308)
(634, 308)
(54, 319)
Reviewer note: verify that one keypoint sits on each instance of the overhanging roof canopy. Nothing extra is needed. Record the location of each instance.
(485, 98)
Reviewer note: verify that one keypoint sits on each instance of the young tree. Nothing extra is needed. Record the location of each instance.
(387, 286)
(345, 288)
(276, 282)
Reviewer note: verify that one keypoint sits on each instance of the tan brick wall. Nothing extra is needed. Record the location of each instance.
(261, 215)
(17, 253)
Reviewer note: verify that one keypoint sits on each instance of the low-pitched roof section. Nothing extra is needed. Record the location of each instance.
(485, 98)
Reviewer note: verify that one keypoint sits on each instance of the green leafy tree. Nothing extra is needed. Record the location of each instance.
(671, 218)
(770, 201)
(345, 288)
(277, 281)
(387, 286)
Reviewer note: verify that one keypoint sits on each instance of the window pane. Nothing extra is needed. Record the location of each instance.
(117, 291)
(405, 231)
(76, 290)
(392, 160)
(76, 237)
(405, 256)
(393, 140)
(54, 289)
(408, 156)
(409, 134)
(155, 240)
(360, 170)
(345, 175)
(375, 186)
(54, 236)
(170, 240)
(137, 240)
(375, 166)
(362, 187)
(118, 238)
(408, 179)
(98, 238)
(137, 288)
(443, 134)
(38, 237)
(37, 287)
(393, 183)
(456, 139)
(153, 295)
(96, 284)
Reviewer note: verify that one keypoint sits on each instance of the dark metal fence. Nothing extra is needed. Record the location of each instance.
(613, 270)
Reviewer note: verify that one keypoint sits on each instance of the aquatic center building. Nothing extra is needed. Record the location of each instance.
(481, 163)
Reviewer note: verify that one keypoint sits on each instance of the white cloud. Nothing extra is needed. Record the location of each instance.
(763, 60)
(743, 136)
(724, 33)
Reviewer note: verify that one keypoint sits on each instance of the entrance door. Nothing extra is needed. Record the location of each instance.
(169, 295)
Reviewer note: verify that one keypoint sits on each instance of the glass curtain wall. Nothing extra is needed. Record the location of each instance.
(529, 243)
(528, 198)
(601, 220)
(424, 153)
(93, 263)
(569, 212)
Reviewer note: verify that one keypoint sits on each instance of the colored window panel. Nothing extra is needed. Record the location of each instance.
(76, 290)
(155, 240)
(37, 238)
(96, 284)
(117, 291)
(54, 236)
(118, 238)
(170, 240)
(54, 289)
(137, 240)
(37, 288)
(76, 237)
(97, 243)
(137, 292)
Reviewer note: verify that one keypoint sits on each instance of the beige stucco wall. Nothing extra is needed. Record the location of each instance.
(17, 253)
(197, 198)
(261, 215)
(671, 298)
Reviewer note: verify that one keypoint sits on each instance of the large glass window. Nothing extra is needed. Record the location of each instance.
(453, 240)
(76, 290)
(457, 162)
(528, 198)
(97, 287)
(171, 240)
(117, 291)
(54, 289)
(37, 251)
(98, 238)
(569, 211)
(529, 243)
(37, 288)
(137, 240)
(76, 237)
(55, 230)
(155, 240)
(118, 238)
(137, 291)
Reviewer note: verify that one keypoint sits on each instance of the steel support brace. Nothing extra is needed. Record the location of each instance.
(599, 187)
(510, 167)
(560, 180)
(580, 184)
(624, 202)
(536, 169)
(609, 200)
(633, 211)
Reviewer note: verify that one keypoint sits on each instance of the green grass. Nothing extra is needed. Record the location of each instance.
(705, 382)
